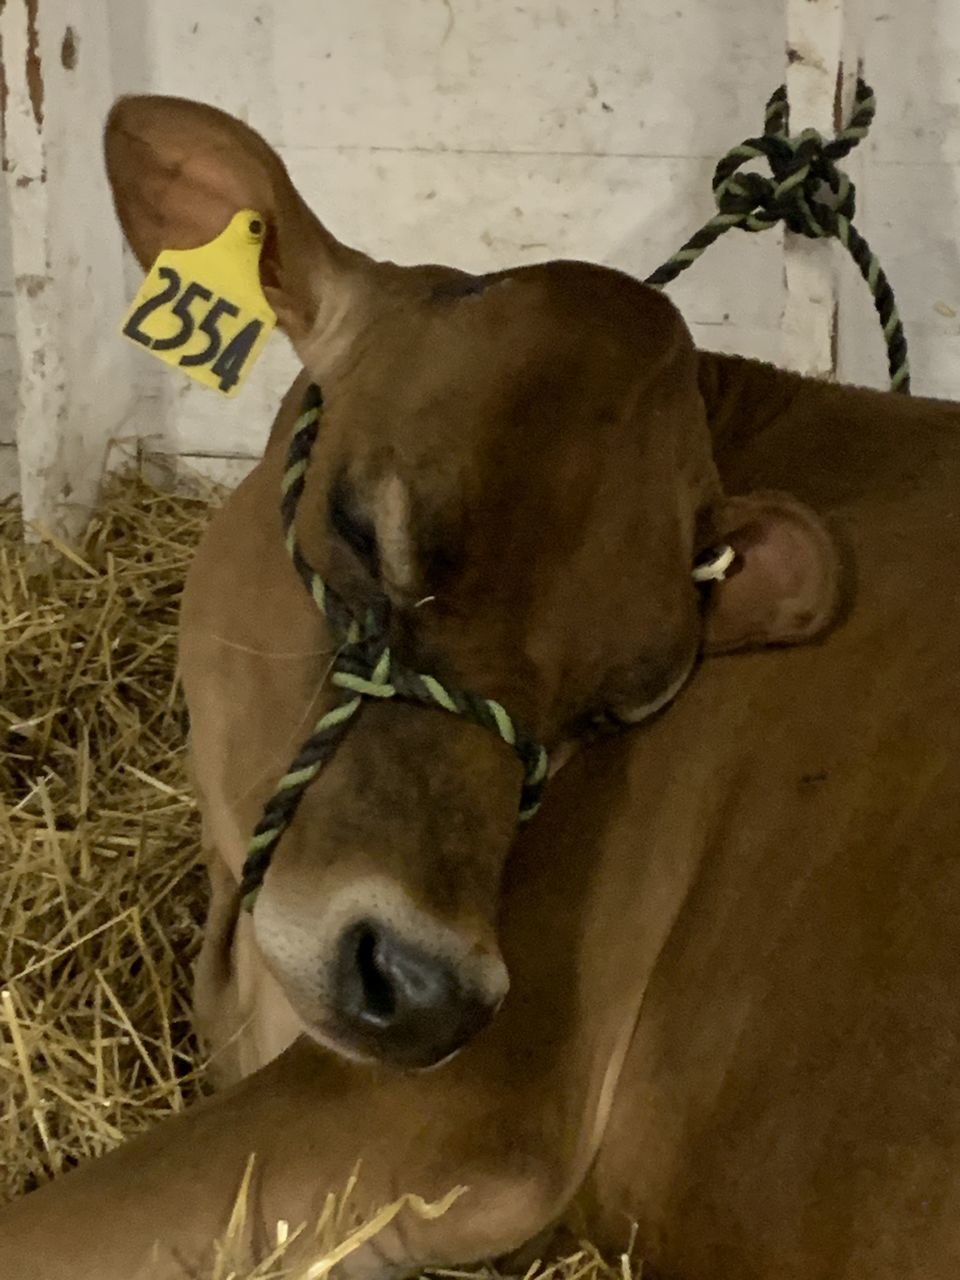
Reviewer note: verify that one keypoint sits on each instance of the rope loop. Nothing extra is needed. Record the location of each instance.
(808, 193)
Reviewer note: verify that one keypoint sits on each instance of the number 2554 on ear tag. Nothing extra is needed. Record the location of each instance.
(203, 310)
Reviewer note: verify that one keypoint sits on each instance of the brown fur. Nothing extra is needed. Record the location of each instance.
(732, 940)
(543, 432)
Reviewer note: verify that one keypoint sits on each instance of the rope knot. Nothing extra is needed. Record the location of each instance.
(366, 675)
(807, 191)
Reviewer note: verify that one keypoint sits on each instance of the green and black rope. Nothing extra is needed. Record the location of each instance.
(809, 195)
(363, 668)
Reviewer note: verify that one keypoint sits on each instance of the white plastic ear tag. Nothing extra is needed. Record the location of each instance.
(714, 567)
(203, 310)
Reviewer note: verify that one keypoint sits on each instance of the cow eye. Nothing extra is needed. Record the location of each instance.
(353, 528)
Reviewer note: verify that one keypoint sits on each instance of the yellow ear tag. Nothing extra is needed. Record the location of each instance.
(203, 310)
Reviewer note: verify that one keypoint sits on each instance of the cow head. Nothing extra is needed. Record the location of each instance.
(521, 464)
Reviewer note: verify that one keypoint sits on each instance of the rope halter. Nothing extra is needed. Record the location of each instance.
(364, 668)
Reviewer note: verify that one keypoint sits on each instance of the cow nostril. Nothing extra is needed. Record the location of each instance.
(379, 993)
(387, 980)
(401, 1002)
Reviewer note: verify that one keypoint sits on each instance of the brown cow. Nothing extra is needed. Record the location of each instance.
(730, 937)
(521, 465)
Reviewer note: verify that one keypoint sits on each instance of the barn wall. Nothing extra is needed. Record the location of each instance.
(490, 132)
(8, 354)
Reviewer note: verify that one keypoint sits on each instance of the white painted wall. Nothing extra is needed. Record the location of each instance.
(75, 386)
(490, 132)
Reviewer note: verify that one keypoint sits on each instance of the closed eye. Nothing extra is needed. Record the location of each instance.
(353, 528)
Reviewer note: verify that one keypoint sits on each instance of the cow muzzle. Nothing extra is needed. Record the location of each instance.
(377, 979)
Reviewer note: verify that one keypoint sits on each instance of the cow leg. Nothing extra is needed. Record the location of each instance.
(216, 1013)
(154, 1207)
(241, 1013)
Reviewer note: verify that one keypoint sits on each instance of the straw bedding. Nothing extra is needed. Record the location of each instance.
(101, 891)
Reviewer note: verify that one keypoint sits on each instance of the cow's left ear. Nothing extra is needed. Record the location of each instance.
(784, 585)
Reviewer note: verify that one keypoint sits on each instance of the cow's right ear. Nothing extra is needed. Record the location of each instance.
(180, 170)
(784, 584)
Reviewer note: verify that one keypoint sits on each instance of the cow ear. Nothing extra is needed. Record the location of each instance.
(784, 584)
(180, 171)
